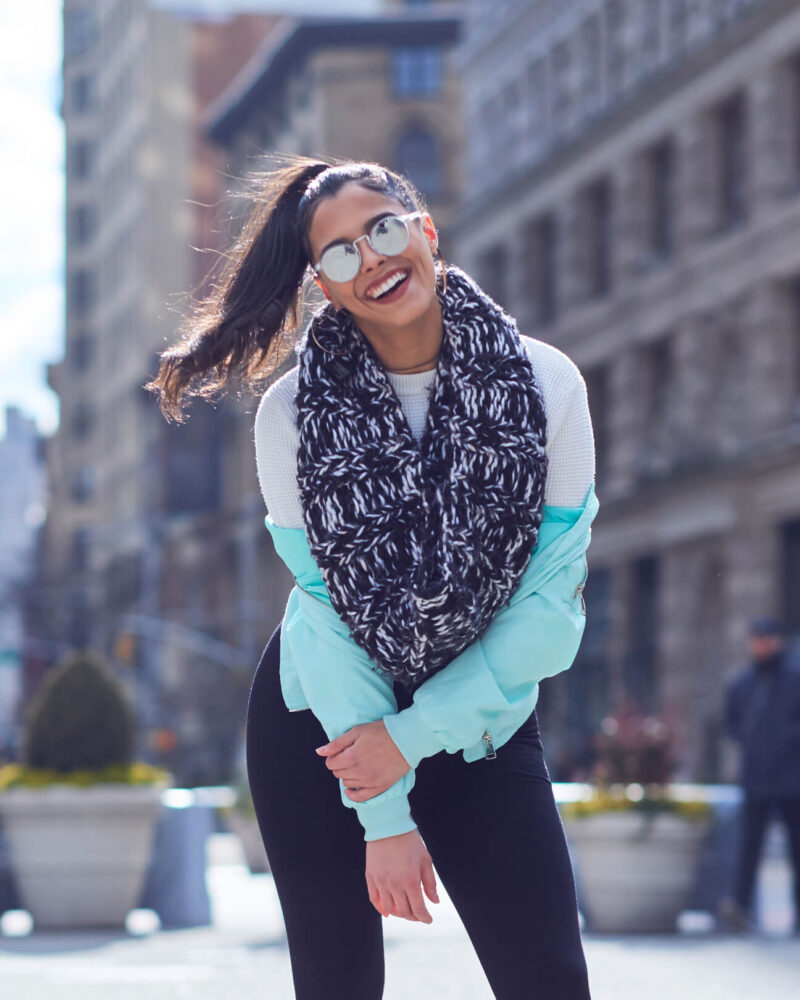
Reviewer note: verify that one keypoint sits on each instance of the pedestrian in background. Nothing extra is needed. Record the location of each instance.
(762, 714)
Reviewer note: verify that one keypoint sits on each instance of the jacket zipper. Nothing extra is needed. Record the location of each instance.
(487, 738)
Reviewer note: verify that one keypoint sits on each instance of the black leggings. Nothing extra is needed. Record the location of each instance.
(491, 827)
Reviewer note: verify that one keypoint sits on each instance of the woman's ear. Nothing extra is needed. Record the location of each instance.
(430, 231)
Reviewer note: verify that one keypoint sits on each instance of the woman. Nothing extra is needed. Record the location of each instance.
(429, 478)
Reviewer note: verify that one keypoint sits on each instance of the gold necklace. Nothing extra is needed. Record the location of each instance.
(399, 371)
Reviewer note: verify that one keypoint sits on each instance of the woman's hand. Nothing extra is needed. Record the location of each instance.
(396, 866)
(366, 758)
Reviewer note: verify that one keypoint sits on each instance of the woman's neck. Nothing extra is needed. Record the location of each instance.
(411, 349)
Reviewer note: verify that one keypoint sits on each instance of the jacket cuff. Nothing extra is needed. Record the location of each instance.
(412, 737)
(384, 819)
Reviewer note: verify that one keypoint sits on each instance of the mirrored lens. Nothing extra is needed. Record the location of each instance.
(390, 235)
(341, 263)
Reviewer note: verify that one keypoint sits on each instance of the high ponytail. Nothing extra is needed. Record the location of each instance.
(248, 323)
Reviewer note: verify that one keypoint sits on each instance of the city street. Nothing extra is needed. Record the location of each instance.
(244, 954)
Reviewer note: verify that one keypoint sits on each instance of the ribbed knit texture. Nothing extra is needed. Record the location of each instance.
(570, 442)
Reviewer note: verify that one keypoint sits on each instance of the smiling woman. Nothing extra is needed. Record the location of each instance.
(429, 479)
(331, 215)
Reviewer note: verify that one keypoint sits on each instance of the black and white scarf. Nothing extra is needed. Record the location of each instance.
(420, 545)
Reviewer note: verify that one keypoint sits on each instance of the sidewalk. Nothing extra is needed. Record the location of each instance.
(244, 955)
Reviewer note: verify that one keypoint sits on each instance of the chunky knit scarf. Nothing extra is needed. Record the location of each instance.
(421, 545)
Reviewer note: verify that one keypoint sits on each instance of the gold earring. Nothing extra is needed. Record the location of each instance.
(326, 349)
(444, 273)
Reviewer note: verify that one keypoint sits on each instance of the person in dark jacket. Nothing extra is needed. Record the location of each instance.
(762, 714)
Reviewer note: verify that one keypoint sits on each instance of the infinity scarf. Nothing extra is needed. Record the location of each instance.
(420, 545)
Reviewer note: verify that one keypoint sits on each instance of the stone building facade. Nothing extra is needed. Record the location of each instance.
(126, 488)
(633, 197)
(379, 88)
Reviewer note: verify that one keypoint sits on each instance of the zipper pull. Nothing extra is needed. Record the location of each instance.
(487, 737)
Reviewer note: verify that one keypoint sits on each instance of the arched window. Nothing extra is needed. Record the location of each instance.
(418, 158)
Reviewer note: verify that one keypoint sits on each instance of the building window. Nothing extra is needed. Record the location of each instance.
(79, 555)
(192, 452)
(677, 25)
(493, 269)
(732, 161)
(418, 158)
(417, 71)
(562, 77)
(657, 368)
(80, 31)
(536, 84)
(598, 206)
(81, 224)
(81, 94)
(660, 176)
(542, 239)
(81, 291)
(82, 485)
(795, 112)
(616, 46)
(81, 352)
(82, 421)
(590, 61)
(597, 391)
(80, 160)
(651, 35)
(640, 667)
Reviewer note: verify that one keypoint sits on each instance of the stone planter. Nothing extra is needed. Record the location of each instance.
(246, 829)
(636, 871)
(80, 855)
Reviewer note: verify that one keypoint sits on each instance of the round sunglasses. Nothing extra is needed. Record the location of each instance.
(389, 236)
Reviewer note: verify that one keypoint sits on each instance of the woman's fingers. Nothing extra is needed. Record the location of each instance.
(375, 897)
(409, 904)
(429, 880)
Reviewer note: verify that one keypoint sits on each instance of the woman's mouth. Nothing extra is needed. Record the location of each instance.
(392, 288)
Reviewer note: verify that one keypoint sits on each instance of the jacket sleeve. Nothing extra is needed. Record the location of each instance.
(536, 636)
(343, 690)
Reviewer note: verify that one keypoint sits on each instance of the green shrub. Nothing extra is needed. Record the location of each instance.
(80, 719)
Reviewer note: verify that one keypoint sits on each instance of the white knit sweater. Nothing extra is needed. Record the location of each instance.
(570, 442)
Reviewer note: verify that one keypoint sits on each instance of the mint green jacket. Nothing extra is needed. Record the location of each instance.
(474, 704)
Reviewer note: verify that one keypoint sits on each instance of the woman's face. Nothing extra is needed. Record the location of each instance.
(350, 213)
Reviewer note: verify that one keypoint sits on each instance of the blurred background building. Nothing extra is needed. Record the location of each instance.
(22, 497)
(633, 197)
(155, 549)
(623, 176)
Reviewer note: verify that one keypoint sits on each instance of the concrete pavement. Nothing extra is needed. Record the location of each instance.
(244, 955)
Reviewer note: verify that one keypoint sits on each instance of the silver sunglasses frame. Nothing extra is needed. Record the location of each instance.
(405, 219)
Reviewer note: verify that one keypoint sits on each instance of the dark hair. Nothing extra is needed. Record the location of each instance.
(248, 323)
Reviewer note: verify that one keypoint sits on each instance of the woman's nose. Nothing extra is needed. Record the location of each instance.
(369, 256)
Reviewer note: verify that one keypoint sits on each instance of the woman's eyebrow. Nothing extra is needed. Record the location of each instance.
(367, 226)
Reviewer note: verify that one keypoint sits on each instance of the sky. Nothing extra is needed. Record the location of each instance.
(31, 217)
(31, 179)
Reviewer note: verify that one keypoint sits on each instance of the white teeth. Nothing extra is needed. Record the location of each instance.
(389, 283)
